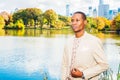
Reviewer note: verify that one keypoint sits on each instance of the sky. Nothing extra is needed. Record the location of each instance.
(59, 6)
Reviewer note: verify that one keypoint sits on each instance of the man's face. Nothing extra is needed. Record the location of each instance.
(77, 22)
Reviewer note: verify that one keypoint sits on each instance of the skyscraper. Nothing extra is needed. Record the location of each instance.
(100, 2)
(110, 14)
(67, 10)
(118, 10)
(103, 9)
(90, 11)
(95, 12)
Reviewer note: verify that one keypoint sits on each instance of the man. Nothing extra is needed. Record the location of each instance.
(83, 57)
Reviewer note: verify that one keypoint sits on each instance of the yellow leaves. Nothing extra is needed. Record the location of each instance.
(117, 18)
(59, 24)
(117, 21)
(100, 23)
(51, 16)
(2, 32)
(2, 23)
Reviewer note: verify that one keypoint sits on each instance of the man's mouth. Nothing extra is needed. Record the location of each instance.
(74, 27)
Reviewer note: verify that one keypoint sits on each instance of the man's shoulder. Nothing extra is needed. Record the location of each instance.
(93, 38)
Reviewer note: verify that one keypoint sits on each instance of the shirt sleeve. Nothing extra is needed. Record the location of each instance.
(101, 61)
(64, 67)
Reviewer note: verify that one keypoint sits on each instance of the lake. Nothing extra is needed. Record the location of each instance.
(36, 54)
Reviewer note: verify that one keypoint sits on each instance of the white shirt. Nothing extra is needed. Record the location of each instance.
(89, 57)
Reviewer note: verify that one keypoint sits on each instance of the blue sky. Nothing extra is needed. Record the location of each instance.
(57, 5)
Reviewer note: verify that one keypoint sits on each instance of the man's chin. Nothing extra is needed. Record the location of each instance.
(76, 31)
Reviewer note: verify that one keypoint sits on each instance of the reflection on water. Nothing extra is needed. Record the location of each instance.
(113, 54)
(39, 58)
(34, 32)
(30, 58)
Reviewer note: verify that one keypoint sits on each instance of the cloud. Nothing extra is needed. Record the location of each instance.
(58, 5)
(13, 4)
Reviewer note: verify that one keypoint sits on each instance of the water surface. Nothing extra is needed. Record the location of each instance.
(39, 57)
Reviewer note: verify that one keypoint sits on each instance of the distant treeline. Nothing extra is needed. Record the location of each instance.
(36, 18)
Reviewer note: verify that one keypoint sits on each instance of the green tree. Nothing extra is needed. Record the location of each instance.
(41, 19)
(27, 14)
(65, 19)
(51, 17)
(20, 14)
(91, 24)
(117, 21)
(33, 13)
(31, 23)
(59, 24)
(19, 24)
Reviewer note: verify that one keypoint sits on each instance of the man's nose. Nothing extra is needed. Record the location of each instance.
(74, 22)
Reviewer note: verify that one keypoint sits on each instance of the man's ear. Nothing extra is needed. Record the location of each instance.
(85, 22)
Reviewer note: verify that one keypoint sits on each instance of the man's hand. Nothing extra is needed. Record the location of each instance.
(76, 73)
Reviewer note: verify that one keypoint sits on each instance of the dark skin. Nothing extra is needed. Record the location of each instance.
(78, 24)
(76, 73)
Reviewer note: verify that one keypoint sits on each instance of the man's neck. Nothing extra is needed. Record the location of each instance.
(79, 34)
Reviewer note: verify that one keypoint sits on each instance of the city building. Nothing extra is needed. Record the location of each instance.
(103, 9)
(94, 12)
(118, 10)
(115, 11)
(111, 14)
(67, 10)
(90, 11)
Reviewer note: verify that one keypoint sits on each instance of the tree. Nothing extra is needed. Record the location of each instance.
(20, 14)
(19, 24)
(2, 23)
(65, 19)
(117, 21)
(7, 17)
(33, 13)
(91, 24)
(31, 23)
(59, 24)
(106, 23)
(51, 17)
(27, 14)
(113, 25)
(100, 23)
(41, 19)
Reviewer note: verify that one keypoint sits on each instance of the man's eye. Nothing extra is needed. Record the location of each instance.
(72, 20)
(77, 20)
